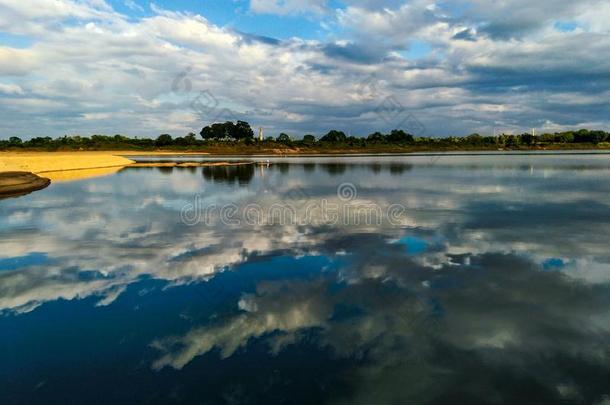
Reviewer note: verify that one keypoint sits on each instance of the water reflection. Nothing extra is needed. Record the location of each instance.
(494, 288)
(241, 174)
(244, 173)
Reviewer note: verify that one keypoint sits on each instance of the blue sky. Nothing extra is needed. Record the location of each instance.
(236, 15)
(430, 67)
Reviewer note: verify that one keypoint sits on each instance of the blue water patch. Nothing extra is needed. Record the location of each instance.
(288, 267)
(414, 245)
(31, 259)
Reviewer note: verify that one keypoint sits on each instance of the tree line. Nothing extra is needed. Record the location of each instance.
(240, 132)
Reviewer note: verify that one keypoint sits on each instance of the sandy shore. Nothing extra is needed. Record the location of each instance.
(63, 166)
(43, 162)
(70, 166)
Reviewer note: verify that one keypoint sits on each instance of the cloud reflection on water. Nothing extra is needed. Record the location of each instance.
(463, 288)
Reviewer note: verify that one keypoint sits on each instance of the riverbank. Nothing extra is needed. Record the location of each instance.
(48, 162)
(18, 169)
(298, 148)
(25, 172)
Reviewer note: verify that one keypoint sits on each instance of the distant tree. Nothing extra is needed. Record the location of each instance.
(164, 140)
(240, 131)
(40, 142)
(376, 137)
(214, 132)
(120, 139)
(309, 140)
(400, 136)
(284, 138)
(334, 136)
(567, 137)
(474, 139)
(228, 130)
(548, 138)
(354, 141)
(511, 141)
(191, 138)
(527, 139)
(15, 141)
(597, 136)
(489, 140)
(583, 136)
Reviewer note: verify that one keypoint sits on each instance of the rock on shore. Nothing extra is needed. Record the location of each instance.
(13, 184)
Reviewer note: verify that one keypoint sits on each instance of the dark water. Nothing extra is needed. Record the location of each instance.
(457, 280)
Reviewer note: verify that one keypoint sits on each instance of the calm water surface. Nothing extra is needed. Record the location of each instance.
(451, 280)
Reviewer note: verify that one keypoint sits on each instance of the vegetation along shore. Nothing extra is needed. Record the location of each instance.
(239, 138)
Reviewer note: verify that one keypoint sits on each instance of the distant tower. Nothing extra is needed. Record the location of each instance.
(534, 131)
(260, 134)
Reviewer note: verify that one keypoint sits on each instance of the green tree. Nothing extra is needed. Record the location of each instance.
(40, 142)
(240, 131)
(400, 136)
(284, 138)
(584, 136)
(190, 138)
(376, 137)
(527, 139)
(334, 136)
(164, 140)
(597, 136)
(309, 140)
(228, 130)
(15, 141)
(216, 132)
(474, 139)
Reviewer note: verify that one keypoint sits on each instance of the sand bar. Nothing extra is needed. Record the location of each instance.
(71, 166)
(43, 162)
(54, 166)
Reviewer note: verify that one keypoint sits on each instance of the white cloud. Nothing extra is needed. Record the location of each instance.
(86, 60)
(10, 89)
(133, 5)
(283, 7)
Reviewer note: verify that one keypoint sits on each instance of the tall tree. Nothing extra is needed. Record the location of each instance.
(228, 130)
(309, 139)
(284, 138)
(164, 140)
(400, 136)
(240, 131)
(334, 136)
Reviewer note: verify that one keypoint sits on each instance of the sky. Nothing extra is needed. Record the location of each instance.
(432, 68)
